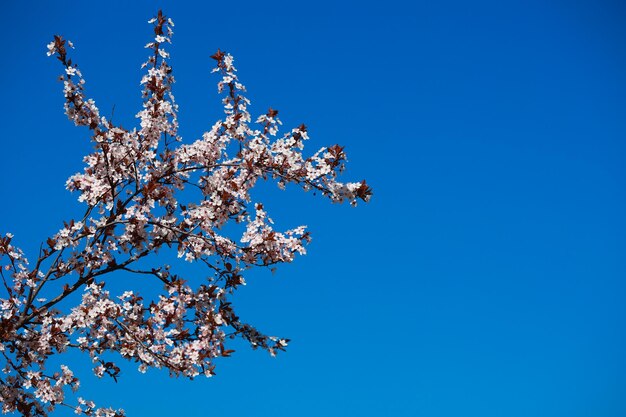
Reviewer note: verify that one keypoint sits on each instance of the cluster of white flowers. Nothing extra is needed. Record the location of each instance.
(145, 192)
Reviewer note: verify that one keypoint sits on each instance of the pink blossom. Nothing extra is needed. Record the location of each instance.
(147, 191)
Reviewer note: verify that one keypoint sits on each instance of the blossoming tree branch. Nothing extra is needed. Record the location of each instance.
(145, 190)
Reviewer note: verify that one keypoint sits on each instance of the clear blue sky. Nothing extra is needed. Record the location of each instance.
(486, 278)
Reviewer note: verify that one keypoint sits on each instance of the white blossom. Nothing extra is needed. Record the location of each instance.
(147, 192)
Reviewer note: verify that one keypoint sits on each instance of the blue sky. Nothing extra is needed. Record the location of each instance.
(486, 278)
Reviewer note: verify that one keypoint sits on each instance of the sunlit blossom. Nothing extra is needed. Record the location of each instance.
(146, 191)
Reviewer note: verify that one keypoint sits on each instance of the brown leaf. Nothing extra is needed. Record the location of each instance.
(218, 56)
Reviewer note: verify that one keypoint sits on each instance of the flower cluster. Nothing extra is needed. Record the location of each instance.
(146, 191)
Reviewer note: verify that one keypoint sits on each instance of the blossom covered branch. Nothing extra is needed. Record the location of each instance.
(145, 191)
